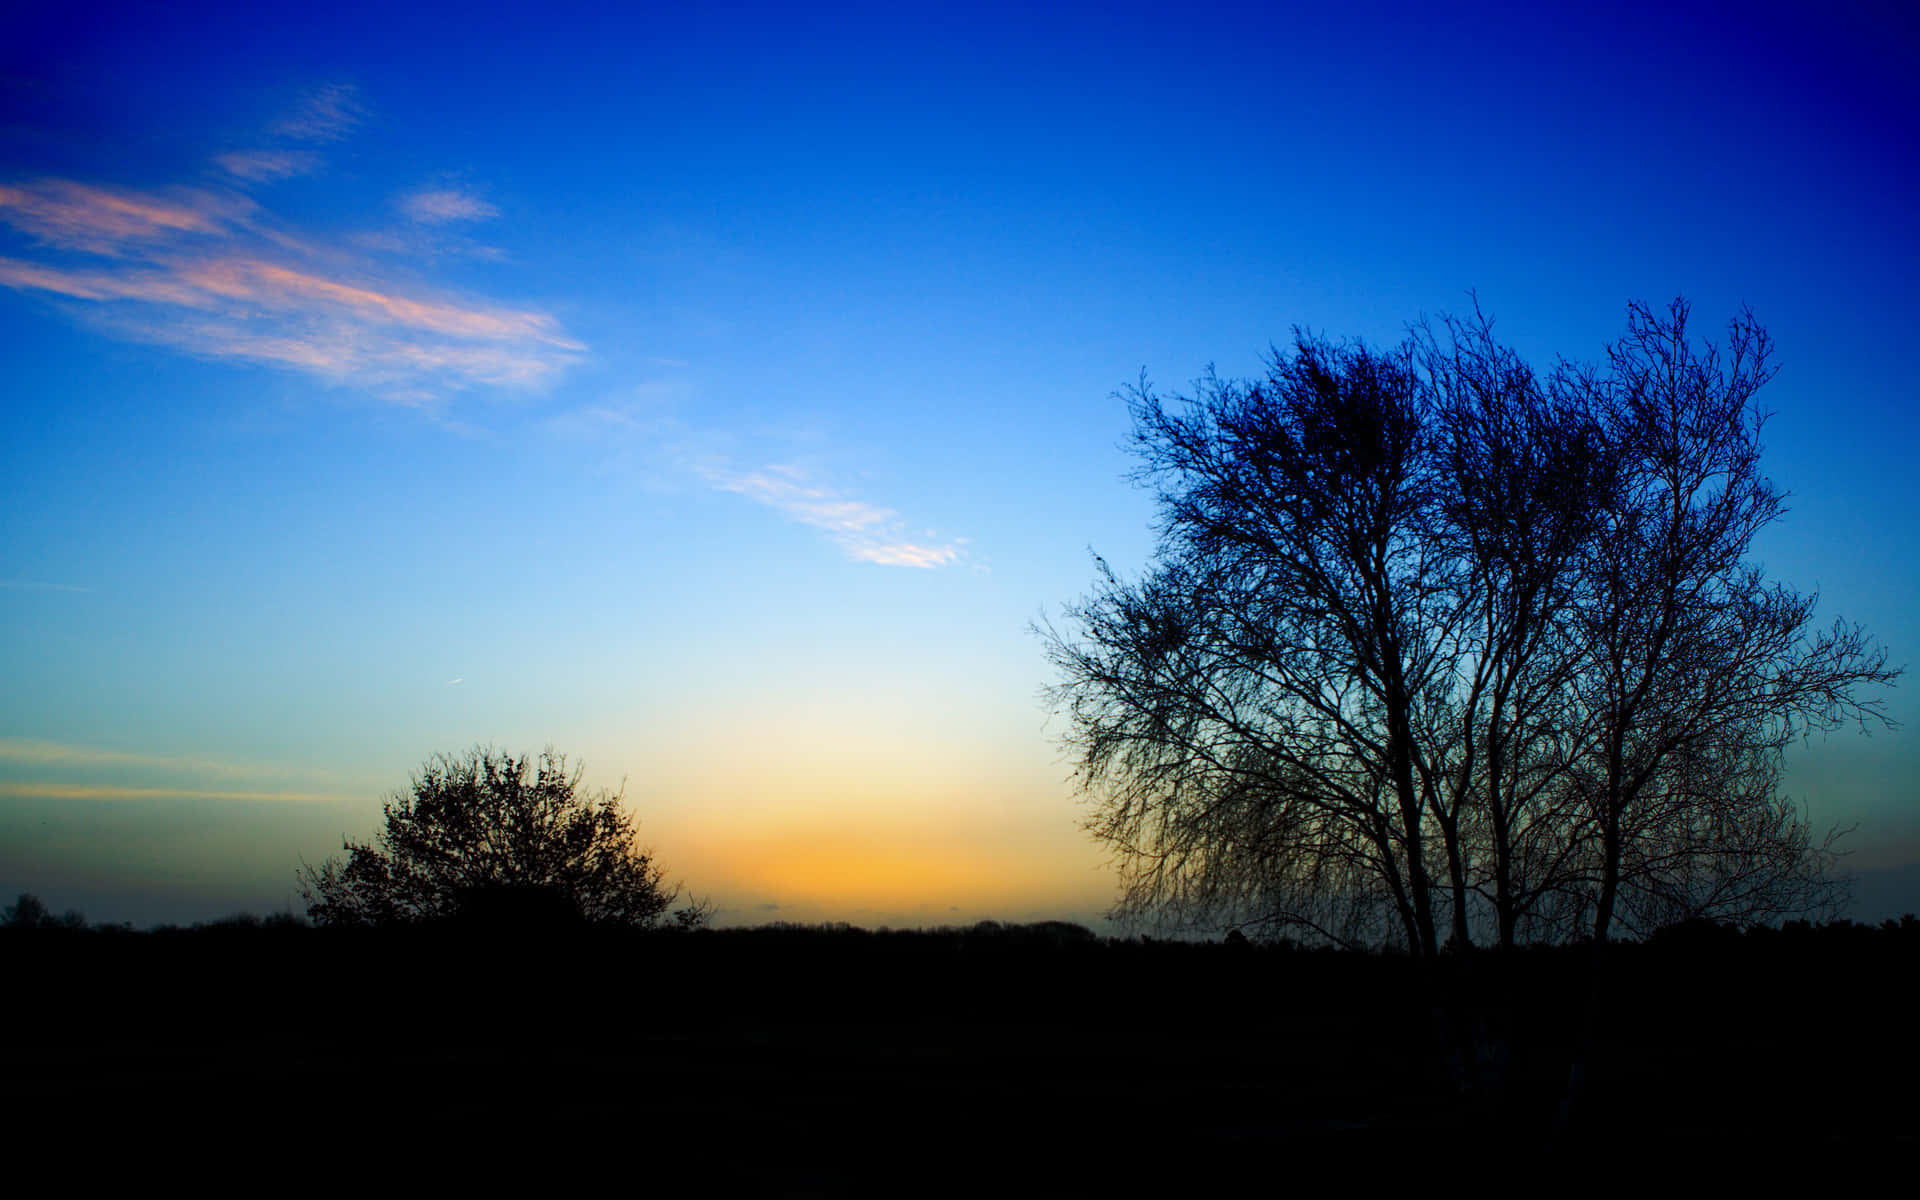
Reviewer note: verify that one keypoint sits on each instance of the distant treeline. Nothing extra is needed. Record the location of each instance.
(28, 913)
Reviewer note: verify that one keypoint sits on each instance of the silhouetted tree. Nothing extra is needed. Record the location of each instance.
(1699, 672)
(29, 912)
(1429, 637)
(1527, 467)
(498, 840)
(1249, 711)
(25, 912)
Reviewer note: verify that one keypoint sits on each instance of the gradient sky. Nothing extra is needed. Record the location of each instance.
(719, 394)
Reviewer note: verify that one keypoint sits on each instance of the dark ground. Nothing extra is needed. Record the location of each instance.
(1015, 1061)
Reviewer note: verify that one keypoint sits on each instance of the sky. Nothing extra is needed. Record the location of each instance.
(719, 394)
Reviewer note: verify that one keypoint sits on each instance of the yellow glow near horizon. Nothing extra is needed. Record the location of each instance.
(828, 870)
(834, 866)
(829, 810)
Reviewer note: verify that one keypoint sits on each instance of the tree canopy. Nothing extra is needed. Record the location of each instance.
(1435, 648)
(486, 836)
(30, 912)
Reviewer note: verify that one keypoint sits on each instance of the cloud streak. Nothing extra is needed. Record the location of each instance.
(866, 532)
(445, 205)
(267, 166)
(88, 791)
(32, 752)
(69, 215)
(643, 434)
(326, 114)
(97, 773)
(206, 272)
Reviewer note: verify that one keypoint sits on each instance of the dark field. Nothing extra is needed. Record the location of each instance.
(1009, 1060)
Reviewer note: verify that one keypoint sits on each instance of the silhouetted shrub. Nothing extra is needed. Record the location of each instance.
(486, 836)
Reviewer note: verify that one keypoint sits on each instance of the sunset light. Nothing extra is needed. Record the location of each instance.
(732, 399)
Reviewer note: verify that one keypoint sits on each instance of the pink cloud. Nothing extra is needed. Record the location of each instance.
(266, 166)
(283, 287)
(152, 286)
(402, 369)
(206, 273)
(75, 216)
(211, 273)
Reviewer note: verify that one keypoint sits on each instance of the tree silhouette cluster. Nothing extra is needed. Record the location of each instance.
(30, 912)
(491, 839)
(1438, 649)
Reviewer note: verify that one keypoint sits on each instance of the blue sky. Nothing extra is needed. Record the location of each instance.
(719, 395)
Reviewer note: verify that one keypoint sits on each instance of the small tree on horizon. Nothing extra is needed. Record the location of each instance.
(490, 837)
(30, 912)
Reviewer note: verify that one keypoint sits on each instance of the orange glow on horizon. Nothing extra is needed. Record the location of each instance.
(848, 871)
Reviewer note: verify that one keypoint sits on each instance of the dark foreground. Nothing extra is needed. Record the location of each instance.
(1011, 1061)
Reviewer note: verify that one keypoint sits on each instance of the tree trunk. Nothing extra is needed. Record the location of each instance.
(1609, 877)
(1417, 882)
(1457, 878)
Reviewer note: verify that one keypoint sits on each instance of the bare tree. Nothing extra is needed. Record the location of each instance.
(1527, 469)
(1248, 712)
(1429, 637)
(1699, 672)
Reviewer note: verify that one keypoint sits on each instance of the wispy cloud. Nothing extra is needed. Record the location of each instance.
(866, 532)
(274, 286)
(62, 771)
(326, 114)
(266, 166)
(441, 206)
(244, 284)
(69, 215)
(90, 791)
(209, 272)
(785, 488)
(33, 752)
(907, 554)
(644, 434)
